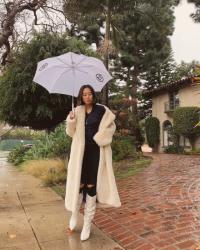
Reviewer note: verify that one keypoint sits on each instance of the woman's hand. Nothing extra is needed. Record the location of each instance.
(72, 115)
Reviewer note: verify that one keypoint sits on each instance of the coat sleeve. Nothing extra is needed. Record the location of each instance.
(70, 126)
(104, 136)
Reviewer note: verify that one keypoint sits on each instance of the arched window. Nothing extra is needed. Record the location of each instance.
(167, 137)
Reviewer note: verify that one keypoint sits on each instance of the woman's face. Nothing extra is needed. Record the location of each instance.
(87, 96)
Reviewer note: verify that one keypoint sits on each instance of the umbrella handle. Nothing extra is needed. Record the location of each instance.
(73, 105)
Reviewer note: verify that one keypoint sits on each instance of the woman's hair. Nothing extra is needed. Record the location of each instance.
(80, 94)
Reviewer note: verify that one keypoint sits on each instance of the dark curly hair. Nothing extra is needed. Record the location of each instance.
(80, 94)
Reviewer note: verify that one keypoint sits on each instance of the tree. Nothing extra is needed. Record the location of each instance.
(196, 15)
(185, 123)
(155, 76)
(104, 10)
(184, 69)
(19, 15)
(152, 129)
(25, 103)
(145, 44)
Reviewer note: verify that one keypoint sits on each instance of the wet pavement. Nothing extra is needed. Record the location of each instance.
(160, 210)
(33, 217)
(160, 206)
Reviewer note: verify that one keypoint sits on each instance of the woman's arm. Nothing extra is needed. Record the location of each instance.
(104, 136)
(70, 125)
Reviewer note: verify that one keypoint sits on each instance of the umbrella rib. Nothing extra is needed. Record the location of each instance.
(91, 66)
(82, 66)
(71, 59)
(78, 62)
(63, 62)
(81, 71)
(81, 61)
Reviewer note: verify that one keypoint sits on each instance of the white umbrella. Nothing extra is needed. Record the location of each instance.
(65, 74)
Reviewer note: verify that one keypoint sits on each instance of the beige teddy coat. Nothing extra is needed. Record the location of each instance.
(107, 194)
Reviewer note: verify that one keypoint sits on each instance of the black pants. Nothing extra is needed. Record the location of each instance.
(90, 164)
(90, 169)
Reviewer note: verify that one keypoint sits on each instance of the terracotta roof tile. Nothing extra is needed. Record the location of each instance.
(172, 86)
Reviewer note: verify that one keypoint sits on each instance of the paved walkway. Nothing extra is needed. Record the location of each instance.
(32, 217)
(160, 206)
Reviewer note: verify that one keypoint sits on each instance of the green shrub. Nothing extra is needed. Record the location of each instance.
(185, 120)
(17, 154)
(193, 152)
(152, 129)
(57, 144)
(123, 147)
(54, 144)
(61, 142)
(41, 149)
(174, 149)
(196, 151)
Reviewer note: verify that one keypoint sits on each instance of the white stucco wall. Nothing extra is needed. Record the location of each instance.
(188, 96)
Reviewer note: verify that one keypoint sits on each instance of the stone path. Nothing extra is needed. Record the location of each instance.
(160, 206)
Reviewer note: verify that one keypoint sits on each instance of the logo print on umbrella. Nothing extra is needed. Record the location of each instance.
(99, 77)
(43, 66)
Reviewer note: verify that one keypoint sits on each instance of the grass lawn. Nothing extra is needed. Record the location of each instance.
(129, 167)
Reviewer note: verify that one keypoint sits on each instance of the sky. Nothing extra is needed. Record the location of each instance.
(186, 38)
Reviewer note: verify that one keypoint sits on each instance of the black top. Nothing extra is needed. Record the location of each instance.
(92, 121)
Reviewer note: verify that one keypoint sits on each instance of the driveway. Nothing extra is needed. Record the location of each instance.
(160, 206)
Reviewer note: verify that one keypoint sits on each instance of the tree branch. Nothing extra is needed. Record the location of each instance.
(13, 10)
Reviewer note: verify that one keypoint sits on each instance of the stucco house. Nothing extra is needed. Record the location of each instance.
(166, 98)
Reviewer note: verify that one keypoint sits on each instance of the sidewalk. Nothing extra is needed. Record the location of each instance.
(33, 217)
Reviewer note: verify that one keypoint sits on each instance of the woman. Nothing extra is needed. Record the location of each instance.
(90, 173)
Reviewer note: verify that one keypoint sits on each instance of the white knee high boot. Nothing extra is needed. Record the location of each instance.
(74, 217)
(89, 212)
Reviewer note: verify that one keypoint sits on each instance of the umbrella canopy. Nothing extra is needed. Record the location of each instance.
(65, 74)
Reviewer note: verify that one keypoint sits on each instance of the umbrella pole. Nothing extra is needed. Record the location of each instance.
(73, 104)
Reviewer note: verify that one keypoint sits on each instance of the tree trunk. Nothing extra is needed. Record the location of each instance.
(135, 128)
(104, 93)
(155, 148)
(192, 142)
